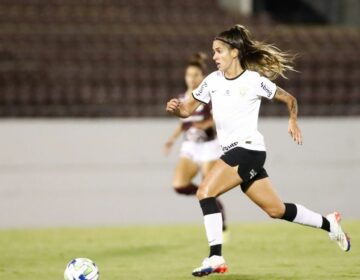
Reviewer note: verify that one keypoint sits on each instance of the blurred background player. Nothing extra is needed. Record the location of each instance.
(200, 147)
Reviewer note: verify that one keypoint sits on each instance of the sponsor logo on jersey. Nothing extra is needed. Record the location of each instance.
(265, 88)
(229, 147)
(201, 89)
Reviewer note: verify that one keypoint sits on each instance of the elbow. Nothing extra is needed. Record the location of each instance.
(184, 114)
(290, 100)
(293, 107)
(293, 101)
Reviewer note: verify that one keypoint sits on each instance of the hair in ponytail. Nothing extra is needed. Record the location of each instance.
(199, 61)
(264, 58)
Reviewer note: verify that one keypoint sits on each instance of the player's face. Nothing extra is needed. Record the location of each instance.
(223, 55)
(193, 77)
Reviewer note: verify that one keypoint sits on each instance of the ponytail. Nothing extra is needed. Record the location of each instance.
(264, 58)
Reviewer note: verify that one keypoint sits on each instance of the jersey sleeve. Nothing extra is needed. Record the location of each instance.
(202, 93)
(266, 88)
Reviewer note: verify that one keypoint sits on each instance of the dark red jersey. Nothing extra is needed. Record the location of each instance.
(192, 133)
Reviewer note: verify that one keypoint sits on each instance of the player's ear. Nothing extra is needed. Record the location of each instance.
(234, 53)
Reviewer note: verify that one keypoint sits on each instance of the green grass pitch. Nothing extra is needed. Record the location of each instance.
(261, 251)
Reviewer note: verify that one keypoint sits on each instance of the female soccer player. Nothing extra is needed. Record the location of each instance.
(200, 147)
(245, 70)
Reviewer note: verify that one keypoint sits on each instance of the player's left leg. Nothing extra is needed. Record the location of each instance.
(262, 193)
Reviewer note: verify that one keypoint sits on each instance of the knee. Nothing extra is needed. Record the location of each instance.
(181, 190)
(178, 190)
(275, 212)
(201, 193)
(185, 190)
(204, 192)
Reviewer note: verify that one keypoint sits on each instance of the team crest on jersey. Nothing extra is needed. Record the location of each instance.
(243, 91)
(227, 92)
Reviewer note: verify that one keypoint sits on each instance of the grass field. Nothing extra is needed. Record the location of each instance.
(265, 251)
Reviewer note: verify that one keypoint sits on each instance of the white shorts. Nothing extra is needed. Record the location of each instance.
(202, 151)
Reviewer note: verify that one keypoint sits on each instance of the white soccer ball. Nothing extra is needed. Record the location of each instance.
(81, 269)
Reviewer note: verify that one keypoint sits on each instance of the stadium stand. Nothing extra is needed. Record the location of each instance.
(92, 58)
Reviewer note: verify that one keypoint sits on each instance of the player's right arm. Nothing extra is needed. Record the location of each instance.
(168, 145)
(182, 109)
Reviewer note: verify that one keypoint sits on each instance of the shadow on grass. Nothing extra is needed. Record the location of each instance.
(139, 251)
(252, 277)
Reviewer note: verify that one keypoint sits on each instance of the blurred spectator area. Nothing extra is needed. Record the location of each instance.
(109, 58)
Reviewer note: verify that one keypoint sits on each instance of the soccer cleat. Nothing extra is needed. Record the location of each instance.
(214, 264)
(336, 233)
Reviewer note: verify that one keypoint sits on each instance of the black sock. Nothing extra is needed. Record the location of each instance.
(290, 212)
(209, 206)
(215, 250)
(325, 224)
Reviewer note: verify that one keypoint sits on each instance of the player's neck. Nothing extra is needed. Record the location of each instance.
(233, 71)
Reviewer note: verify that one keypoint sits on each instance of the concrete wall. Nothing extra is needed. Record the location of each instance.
(113, 172)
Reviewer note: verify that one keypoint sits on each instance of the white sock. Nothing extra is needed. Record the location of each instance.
(307, 217)
(213, 225)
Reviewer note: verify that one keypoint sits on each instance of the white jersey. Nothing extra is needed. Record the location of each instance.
(235, 105)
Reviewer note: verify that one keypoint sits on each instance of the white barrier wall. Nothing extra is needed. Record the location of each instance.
(113, 172)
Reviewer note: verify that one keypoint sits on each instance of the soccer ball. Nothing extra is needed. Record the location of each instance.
(81, 269)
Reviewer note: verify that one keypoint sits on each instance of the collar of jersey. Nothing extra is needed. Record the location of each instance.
(235, 77)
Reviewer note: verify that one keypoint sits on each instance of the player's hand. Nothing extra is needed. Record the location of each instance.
(172, 106)
(295, 132)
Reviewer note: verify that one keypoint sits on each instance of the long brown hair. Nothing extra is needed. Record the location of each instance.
(264, 58)
(199, 61)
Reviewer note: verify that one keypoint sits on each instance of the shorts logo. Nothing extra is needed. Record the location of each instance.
(229, 147)
(252, 173)
(265, 88)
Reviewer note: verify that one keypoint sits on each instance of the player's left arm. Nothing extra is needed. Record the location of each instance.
(291, 103)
